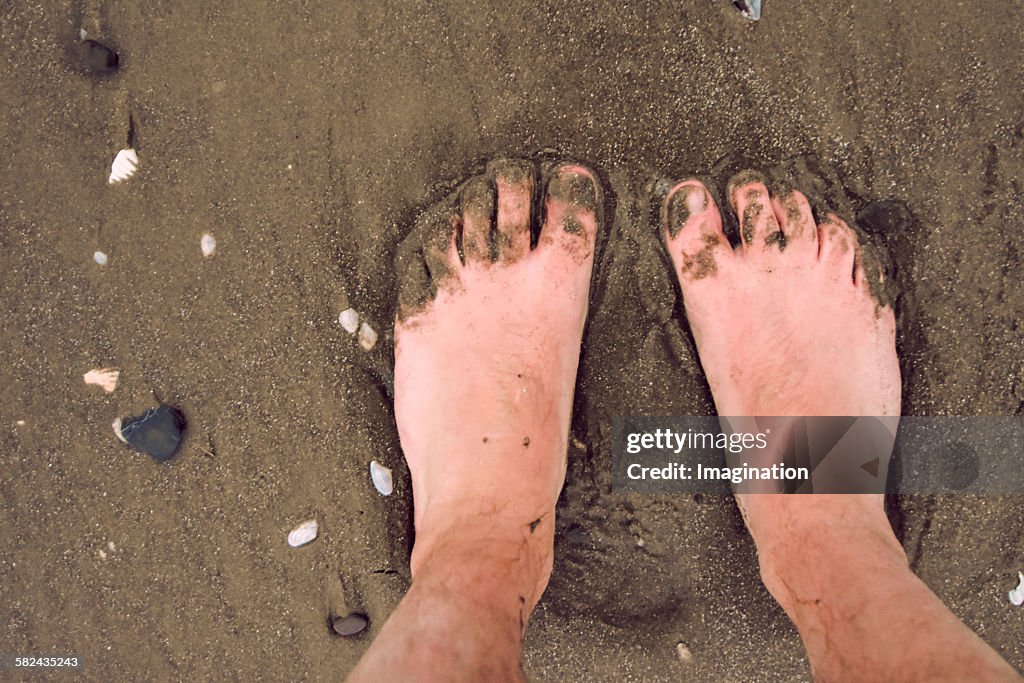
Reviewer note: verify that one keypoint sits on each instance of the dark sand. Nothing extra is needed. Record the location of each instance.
(306, 138)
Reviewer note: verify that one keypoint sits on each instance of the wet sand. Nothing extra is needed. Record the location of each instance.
(306, 139)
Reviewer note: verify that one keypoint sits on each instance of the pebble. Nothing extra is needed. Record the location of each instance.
(1017, 594)
(350, 625)
(381, 477)
(751, 9)
(105, 378)
(96, 56)
(207, 244)
(303, 533)
(125, 164)
(100, 258)
(349, 320)
(367, 337)
(157, 432)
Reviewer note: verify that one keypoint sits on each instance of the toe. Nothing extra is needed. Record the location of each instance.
(572, 208)
(693, 234)
(478, 204)
(749, 199)
(515, 182)
(837, 246)
(793, 212)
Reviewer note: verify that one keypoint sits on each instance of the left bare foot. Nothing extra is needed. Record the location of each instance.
(485, 369)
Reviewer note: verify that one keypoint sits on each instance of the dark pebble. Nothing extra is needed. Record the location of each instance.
(352, 625)
(157, 432)
(98, 57)
(885, 218)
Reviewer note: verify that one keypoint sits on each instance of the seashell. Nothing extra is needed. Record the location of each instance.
(105, 378)
(684, 652)
(207, 244)
(751, 9)
(157, 432)
(303, 533)
(350, 625)
(117, 430)
(367, 337)
(125, 164)
(100, 258)
(19, 423)
(1017, 594)
(349, 320)
(381, 477)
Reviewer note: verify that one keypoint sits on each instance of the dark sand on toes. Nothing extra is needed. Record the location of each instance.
(306, 140)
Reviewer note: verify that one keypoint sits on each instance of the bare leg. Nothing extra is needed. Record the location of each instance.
(785, 324)
(484, 376)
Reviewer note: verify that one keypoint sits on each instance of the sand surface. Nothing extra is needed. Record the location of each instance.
(305, 137)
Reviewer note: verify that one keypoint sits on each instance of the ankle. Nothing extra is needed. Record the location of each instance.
(812, 547)
(488, 559)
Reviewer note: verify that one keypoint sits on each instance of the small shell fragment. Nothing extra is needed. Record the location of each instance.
(105, 378)
(684, 652)
(207, 244)
(303, 533)
(349, 320)
(125, 164)
(367, 337)
(381, 477)
(1017, 594)
(100, 258)
(117, 430)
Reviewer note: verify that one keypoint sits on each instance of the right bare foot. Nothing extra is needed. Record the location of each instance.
(786, 324)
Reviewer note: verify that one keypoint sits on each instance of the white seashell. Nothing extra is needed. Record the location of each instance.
(117, 430)
(20, 423)
(381, 477)
(100, 258)
(684, 652)
(82, 34)
(207, 244)
(1017, 594)
(125, 164)
(367, 337)
(303, 533)
(349, 320)
(105, 378)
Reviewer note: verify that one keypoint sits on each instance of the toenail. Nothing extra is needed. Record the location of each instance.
(573, 187)
(479, 197)
(688, 201)
(742, 179)
(513, 172)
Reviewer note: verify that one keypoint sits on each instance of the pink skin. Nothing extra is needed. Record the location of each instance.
(484, 380)
(795, 331)
(484, 377)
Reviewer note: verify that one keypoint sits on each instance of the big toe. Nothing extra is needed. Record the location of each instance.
(692, 230)
(572, 215)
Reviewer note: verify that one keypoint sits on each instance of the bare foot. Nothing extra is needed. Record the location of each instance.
(485, 367)
(786, 324)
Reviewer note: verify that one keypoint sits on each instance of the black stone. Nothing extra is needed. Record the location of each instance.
(350, 625)
(97, 57)
(157, 432)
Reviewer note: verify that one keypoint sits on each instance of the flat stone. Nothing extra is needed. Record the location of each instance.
(350, 625)
(157, 432)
